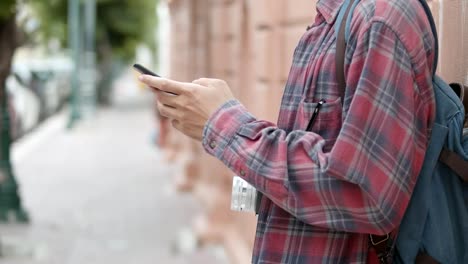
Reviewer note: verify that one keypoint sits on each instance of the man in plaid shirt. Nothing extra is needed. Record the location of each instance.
(353, 172)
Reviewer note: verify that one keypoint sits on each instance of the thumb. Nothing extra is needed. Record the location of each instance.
(203, 81)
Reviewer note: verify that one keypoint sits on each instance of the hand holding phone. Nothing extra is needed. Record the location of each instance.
(194, 103)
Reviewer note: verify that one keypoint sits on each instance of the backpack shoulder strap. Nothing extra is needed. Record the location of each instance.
(432, 23)
(455, 162)
(341, 28)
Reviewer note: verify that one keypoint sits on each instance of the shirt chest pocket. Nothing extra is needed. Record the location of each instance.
(323, 118)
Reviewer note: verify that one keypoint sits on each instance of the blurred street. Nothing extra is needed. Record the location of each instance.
(100, 193)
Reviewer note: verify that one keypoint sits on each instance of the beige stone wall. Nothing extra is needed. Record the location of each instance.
(453, 30)
(249, 43)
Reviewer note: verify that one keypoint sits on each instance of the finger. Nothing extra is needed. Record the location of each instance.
(177, 124)
(203, 81)
(163, 84)
(188, 130)
(167, 111)
(166, 99)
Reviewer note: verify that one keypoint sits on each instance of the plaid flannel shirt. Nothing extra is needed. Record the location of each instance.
(353, 173)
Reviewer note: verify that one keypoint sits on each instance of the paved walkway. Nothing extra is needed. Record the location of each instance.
(100, 193)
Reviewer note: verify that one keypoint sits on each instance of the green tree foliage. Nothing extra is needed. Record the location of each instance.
(6, 8)
(121, 24)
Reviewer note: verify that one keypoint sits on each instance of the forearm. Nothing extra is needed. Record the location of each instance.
(293, 171)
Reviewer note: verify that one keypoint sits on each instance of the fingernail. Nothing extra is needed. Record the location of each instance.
(141, 78)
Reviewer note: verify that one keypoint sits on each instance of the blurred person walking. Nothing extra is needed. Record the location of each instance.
(335, 168)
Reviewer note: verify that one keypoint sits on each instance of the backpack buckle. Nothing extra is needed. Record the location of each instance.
(381, 247)
(382, 239)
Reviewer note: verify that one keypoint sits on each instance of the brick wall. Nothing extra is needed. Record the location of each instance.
(249, 43)
(453, 29)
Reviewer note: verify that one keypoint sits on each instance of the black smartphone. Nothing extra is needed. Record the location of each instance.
(143, 70)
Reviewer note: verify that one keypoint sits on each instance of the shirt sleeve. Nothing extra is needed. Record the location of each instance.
(364, 183)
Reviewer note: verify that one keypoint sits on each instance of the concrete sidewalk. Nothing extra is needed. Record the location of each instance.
(100, 193)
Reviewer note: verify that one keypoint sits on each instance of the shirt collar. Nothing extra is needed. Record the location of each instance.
(329, 9)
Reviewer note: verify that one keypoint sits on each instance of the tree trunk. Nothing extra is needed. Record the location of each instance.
(10, 203)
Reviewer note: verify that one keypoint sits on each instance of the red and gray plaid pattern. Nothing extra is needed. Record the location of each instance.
(354, 172)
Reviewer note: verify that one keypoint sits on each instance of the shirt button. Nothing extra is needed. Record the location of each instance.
(213, 144)
(242, 172)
